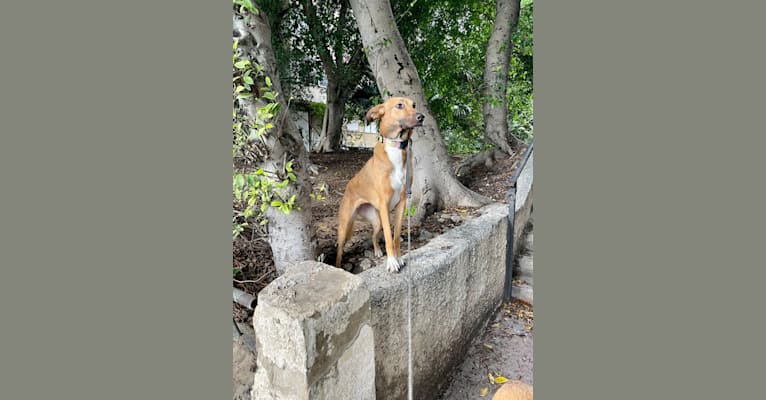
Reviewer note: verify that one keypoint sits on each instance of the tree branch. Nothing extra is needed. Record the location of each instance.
(339, 33)
(312, 20)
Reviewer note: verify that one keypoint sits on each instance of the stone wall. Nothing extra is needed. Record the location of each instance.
(324, 333)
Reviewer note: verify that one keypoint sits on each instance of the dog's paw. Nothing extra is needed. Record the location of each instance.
(392, 264)
(400, 259)
(377, 252)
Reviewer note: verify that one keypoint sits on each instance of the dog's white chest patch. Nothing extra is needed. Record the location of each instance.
(397, 174)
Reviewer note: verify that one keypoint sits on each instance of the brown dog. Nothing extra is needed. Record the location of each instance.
(380, 186)
(514, 390)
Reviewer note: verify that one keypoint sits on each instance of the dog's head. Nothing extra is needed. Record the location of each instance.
(397, 117)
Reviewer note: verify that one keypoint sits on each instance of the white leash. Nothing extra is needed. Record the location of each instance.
(409, 276)
(409, 315)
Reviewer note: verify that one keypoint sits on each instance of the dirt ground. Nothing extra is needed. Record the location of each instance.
(504, 349)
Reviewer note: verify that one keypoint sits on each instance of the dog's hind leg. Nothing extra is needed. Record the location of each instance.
(345, 223)
(371, 214)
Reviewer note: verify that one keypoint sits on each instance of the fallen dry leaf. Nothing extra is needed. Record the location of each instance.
(501, 379)
(483, 392)
(489, 346)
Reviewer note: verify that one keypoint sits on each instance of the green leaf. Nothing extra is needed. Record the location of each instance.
(268, 81)
(241, 64)
(276, 203)
(239, 181)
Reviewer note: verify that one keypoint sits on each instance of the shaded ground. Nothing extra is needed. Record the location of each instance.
(504, 350)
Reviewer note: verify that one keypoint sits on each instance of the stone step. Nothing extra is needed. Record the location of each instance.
(522, 292)
(524, 270)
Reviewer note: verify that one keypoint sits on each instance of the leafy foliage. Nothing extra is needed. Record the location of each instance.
(297, 61)
(311, 36)
(447, 41)
(520, 88)
(314, 109)
(254, 191)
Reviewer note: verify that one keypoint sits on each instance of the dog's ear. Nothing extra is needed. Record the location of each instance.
(375, 113)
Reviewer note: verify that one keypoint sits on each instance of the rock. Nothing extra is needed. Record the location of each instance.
(365, 264)
(426, 235)
(456, 219)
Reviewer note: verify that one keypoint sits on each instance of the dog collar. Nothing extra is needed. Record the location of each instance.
(400, 144)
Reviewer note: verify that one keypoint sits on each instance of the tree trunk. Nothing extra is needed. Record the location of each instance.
(342, 77)
(499, 48)
(336, 104)
(434, 185)
(315, 147)
(291, 236)
(486, 158)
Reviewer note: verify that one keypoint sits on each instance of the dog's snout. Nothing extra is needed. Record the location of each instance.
(420, 117)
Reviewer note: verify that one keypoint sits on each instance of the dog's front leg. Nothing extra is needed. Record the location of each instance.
(398, 216)
(392, 264)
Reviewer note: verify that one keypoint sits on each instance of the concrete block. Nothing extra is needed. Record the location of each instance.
(524, 189)
(313, 336)
(457, 283)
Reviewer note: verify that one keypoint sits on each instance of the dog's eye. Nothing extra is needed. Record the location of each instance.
(413, 105)
(400, 106)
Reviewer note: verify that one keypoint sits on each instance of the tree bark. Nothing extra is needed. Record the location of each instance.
(486, 158)
(499, 49)
(291, 236)
(336, 105)
(434, 185)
